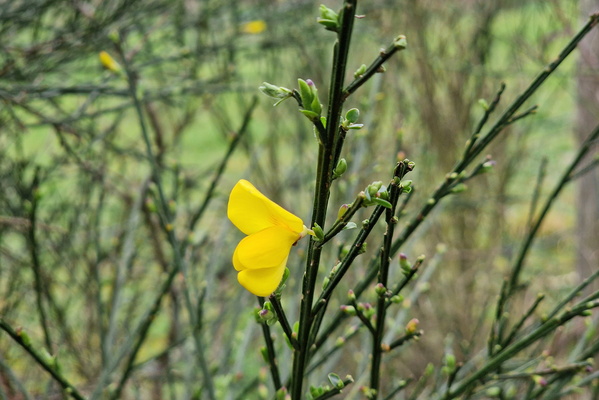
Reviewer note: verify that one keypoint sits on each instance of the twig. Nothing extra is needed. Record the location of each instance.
(23, 340)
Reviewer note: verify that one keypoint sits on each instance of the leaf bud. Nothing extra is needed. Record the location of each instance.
(340, 168)
(360, 71)
(328, 18)
(400, 42)
(318, 232)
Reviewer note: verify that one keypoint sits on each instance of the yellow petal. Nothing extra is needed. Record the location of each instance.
(262, 282)
(251, 211)
(265, 249)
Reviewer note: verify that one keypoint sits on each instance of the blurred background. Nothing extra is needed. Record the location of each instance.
(84, 254)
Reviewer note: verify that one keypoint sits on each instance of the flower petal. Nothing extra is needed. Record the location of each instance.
(262, 282)
(251, 211)
(265, 249)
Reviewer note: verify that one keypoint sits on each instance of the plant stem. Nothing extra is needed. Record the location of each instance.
(41, 360)
(321, 196)
(270, 351)
(383, 275)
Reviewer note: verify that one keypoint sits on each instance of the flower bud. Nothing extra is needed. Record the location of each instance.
(412, 326)
(404, 264)
(349, 310)
(380, 289)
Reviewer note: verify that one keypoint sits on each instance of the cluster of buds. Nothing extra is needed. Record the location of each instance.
(376, 194)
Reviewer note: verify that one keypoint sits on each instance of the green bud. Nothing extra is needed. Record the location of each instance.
(318, 232)
(459, 188)
(325, 282)
(397, 299)
(264, 353)
(281, 394)
(380, 289)
(349, 310)
(114, 36)
(429, 370)
(360, 71)
(373, 188)
(400, 42)
(450, 360)
(493, 391)
(351, 295)
(340, 168)
(404, 264)
(487, 166)
(328, 18)
(483, 103)
(363, 249)
(25, 339)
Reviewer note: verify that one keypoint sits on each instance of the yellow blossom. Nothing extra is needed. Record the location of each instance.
(108, 62)
(261, 257)
(253, 27)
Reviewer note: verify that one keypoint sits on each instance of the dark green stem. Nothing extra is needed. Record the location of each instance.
(383, 275)
(321, 196)
(270, 352)
(282, 318)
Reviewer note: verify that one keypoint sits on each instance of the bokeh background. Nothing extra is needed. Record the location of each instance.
(83, 254)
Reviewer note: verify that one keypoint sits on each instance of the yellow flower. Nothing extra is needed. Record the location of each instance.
(253, 27)
(108, 62)
(261, 257)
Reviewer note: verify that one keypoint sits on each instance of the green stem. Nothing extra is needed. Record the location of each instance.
(270, 351)
(43, 361)
(321, 196)
(383, 275)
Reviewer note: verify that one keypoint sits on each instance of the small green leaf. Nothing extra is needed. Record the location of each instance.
(350, 225)
(381, 202)
(336, 381)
